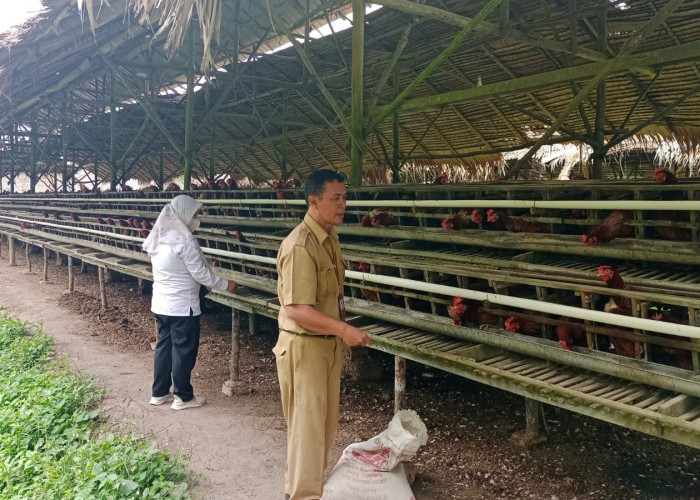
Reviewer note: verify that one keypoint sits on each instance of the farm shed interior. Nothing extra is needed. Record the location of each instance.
(440, 90)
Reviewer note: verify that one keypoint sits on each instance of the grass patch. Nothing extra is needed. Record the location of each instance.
(50, 446)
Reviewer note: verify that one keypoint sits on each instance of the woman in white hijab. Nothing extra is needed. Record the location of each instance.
(179, 268)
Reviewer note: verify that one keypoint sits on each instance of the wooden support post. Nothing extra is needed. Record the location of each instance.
(396, 152)
(82, 266)
(103, 288)
(189, 112)
(58, 259)
(26, 255)
(11, 250)
(693, 321)
(534, 425)
(399, 383)
(234, 385)
(45, 274)
(108, 276)
(113, 132)
(591, 338)
(357, 91)
(251, 323)
(33, 147)
(64, 145)
(71, 275)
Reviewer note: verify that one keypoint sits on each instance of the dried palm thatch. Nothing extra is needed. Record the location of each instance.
(173, 17)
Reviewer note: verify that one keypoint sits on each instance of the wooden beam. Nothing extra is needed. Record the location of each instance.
(189, 112)
(357, 137)
(488, 28)
(385, 111)
(606, 70)
(670, 55)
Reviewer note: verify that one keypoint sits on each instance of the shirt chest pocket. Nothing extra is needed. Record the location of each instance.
(327, 282)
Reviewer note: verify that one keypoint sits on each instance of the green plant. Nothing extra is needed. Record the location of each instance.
(48, 444)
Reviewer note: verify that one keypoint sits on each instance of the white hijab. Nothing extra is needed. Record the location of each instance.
(173, 224)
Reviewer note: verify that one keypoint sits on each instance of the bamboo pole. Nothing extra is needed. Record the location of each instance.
(26, 255)
(399, 383)
(103, 288)
(357, 92)
(64, 145)
(13, 142)
(608, 68)
(189, 113)
(599, 133)
(71, 275)
(112, 132)
(415, 8)
(385, 111)
(11, 250)
(33, 138)
(45, 274)
(235, 365)
(666, 56)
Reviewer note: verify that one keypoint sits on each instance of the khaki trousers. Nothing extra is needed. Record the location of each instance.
(309, 374)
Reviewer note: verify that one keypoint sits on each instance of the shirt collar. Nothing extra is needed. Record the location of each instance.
(316, 228)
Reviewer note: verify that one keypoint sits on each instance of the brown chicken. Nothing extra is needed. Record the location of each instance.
(666, 177)
(523, 326)
(468, 311)
(613, 226)
(462, 220)
(378, 217)
(623, 347)
(569, 335)
(612, 278)
(680, 357)
(518, 225)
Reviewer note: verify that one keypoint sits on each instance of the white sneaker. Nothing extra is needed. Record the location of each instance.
(195, 402)
(161, 400)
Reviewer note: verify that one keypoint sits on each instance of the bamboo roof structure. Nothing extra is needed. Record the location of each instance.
(113, 101)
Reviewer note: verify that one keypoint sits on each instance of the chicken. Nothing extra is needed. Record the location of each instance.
(441, 179)
(378, 217)
(293, 183)
(623, 347)
(74, 217)
(680, 357)
(613, 226)
(110, 221)
(666, 177)
(56, 216)
(144, 233)
(152, 188)
(193, 186)
(231, 183)
(99, 220)
(517, 225)
(125, 187)
(221, 184)
(145, 224)
(461, 220)
(524, 326)
(569, 335)
(468, 311)
(171, 186)
(612, 278)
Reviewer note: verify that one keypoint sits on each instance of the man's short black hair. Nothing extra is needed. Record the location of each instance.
(316, 181)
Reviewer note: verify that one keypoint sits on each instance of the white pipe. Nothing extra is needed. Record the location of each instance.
(559, 204)
(76, 228)
(534, 305)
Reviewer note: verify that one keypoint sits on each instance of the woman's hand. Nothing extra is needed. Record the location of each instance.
(232, 285)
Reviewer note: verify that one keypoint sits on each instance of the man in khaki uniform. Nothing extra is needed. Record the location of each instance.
(312, 331)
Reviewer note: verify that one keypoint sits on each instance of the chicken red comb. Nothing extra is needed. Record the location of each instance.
(657, 316)
(490, 212)
(564, 345)
(512, 325)
(457, 300)
(447, 223)
(659, 170)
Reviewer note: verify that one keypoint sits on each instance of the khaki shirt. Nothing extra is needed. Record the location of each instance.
(310, 271)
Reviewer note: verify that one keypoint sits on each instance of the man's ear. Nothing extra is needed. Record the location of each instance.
(313, 200)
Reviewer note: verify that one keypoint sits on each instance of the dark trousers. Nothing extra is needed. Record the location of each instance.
(176, 354)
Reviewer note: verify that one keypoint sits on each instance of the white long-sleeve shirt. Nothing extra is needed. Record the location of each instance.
(178, 271)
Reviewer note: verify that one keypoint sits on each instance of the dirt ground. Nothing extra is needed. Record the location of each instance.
(236, 445)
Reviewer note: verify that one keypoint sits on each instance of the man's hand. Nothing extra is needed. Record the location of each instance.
(353, 336)
(232, 285)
